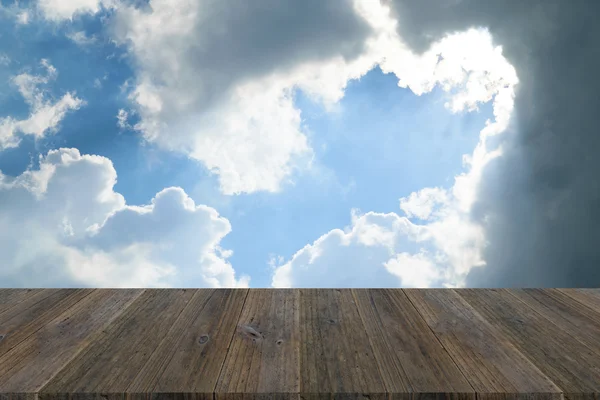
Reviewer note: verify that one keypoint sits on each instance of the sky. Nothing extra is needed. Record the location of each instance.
(323, 143)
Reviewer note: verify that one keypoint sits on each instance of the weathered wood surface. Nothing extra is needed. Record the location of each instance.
(300, 344)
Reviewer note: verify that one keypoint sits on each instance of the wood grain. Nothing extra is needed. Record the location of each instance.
(492, 364)
(191, 359)
(565, 312)
(34, 311)
(410, 357)
(572, 366)
(120, 352)
(264, 356)
(335, 353)
(589, 298)
(299, 344)
(12, 297)
(31, 364)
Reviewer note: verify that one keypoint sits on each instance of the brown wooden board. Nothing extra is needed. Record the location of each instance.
(411, 358)
(572, 366)
(31, 364)
(116, 356)
(301, 344)
(264, 356)
(488, 359)
(191, 359)
(335, 353)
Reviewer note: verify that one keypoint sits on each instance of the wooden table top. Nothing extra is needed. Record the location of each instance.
(299, 343)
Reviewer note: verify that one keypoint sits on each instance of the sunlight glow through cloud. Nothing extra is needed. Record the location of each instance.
(449, 239)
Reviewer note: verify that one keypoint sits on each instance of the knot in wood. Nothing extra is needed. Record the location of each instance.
(203, 339)
(279, 342)
(250, 332)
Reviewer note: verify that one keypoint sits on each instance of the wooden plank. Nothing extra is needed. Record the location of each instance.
(33, 312)
(565, 312)
(114, 358)
(31, 364)
(410, 357)
(12, 297)
(491, 363)
(335, 353)
(588, 297)
(264, 356)
(571, 365)
(190, 358)
(18, 396)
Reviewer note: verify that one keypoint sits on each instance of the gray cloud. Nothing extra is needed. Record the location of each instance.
(540, 202)
(235, 43)
(213, 79)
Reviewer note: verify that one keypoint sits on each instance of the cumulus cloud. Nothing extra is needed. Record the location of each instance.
(538, 202)
(216, 83)
(338, 258)
(64, 225)
(225, 96)
(44, 116)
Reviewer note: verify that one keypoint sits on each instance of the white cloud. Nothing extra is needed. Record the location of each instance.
(339, 258)
(4, 59)
(81, 38)
(23, 18)
(14, 11)
(472, 71)
(233, 110)
(422, 204)
(414, 270)
(215, 83)
(122, 117)
(44, 116)
(386, 250)
(58, 10)
(63, 225)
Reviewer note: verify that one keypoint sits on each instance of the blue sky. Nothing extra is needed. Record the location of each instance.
(382, 144)
(370, 147)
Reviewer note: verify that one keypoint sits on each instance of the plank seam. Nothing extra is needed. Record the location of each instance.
(387, 391)
(214, 393)
(439, 341)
